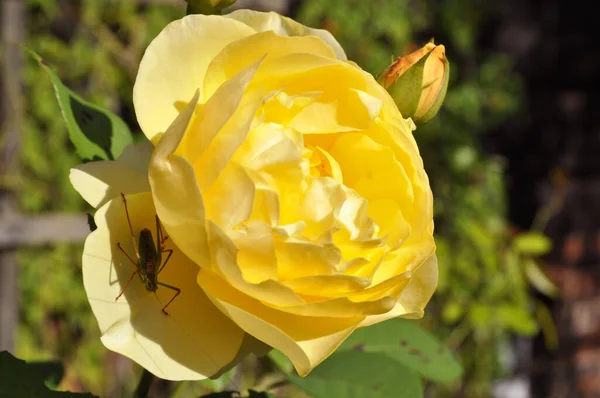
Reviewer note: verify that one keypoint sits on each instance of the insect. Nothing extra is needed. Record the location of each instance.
(149, 258)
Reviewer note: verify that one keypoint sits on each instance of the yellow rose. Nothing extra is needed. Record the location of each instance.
(291, 189)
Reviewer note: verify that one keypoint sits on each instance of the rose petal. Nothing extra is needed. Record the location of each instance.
(193, 342)
(241, 53)
(306, 341)
(284, 26)
(415, 296)
(175, 64)
(99, 182)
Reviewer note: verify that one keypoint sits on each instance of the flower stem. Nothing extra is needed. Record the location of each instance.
(144, 385)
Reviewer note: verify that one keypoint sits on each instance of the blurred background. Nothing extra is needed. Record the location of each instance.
(512, 158)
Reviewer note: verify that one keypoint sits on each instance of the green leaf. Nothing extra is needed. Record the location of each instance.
(207, 7)
(354, 374)
(507, 316)
(517, 319)
(21, 379)
(532, 243)
(281, 361)
(235, 394)
(52, 372)
(406, 343)
(538, 279)
(96, 133)
(219, 383)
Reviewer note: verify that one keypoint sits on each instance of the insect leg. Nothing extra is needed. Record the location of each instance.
(177, 290)
(160, 232)
(127, 284)
(127, 255)
(170, 251)
(137, 252)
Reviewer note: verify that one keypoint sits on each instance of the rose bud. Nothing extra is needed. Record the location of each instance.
(418, 82)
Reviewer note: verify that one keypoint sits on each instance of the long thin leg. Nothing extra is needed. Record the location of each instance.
(164, 236)
(170, 251)
(127, 284)
(127, 255)
(137, 252)
(159, 241)
(178, 290)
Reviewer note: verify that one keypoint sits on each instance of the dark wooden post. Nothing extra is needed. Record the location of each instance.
(12, 22)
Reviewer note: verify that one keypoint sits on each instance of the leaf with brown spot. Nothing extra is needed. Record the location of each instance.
(407, 344)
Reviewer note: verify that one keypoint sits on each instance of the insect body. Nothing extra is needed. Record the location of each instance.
(149, 258)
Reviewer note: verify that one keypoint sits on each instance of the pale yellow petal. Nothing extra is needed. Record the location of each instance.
(224, 262)
(178, 200)
(415, 296)
(175, 64)
(305, 340)
(407, 258)
(396, 135)
(193, 342)
(241, 53)
(211, 156)
(225, 109)
(392, 225)
(372, 170)
(230, 198)
(327, 285)
(256, 252)
(314, 259)
(283, 26)
(98, 182)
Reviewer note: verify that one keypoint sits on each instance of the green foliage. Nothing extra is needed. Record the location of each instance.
(381, 360)
(233, 394)
(96, 133)
(532, 243)
(21, 379)
(355, 374)
(207, 7)
(484, 287)
(95, 47)
(408, 344)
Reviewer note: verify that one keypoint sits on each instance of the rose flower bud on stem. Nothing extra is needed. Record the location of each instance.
(418, 82)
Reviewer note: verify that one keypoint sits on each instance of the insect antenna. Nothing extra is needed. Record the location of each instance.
(135, 246)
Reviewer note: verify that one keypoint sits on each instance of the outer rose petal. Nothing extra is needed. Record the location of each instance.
(175, 64)
(306, 347)
(99, 182)
(194, 341)
(177, 197)
(414, 297)
(283, 26)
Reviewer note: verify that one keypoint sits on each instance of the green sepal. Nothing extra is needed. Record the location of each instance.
(407, 89)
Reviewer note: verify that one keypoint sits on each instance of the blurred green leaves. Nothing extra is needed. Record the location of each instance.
(207, 7)
(95, 47)
(21, 379)
(96, 133)
(484, 293)
(532, 244)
